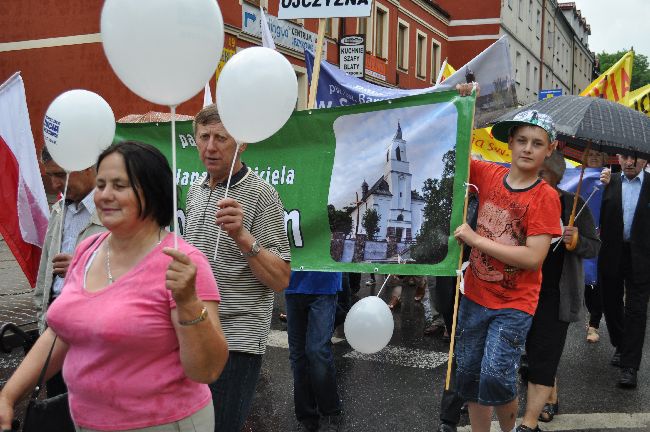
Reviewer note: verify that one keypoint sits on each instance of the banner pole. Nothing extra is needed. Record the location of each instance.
(460, 263)
(316, 70)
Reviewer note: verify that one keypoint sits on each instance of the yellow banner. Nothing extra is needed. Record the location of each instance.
(447, 71)
(614, 84)
(639, 99)
(488, 147)
(229, 50)
(485, 146)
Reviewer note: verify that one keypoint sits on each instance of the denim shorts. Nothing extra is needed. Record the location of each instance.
(489, 344)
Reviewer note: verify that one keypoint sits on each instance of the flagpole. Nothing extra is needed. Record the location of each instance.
(442, 71)
(316, 69)
(9, 81)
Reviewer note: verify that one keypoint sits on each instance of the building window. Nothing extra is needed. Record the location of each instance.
(435, 61)
(527, 75)
(402, 45)
(530, 15)
(331, 27)
(510, 4)
(421, 56)
(538, 29)
(517, 67)
(535, 81)
(521, 10)
(362, 25)
(381, 32)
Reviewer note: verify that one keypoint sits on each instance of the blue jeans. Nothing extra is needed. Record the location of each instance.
(310, 325)
(233, 392)
(489, 344)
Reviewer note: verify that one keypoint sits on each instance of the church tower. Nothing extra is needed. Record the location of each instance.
(398, 176)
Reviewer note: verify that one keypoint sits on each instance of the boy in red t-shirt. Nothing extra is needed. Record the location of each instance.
(517, 217)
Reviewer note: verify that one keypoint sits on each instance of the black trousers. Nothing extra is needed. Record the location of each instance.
(594, 303)
(451, 402)
(626, 319)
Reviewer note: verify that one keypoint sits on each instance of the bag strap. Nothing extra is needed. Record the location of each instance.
(41, 378)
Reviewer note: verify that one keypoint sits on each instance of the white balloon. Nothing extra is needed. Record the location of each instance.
(256, 94)
(163, 50)
(369, 325)
(78, 125)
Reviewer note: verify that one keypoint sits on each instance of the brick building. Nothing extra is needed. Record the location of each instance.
(548, 41)
(57, 46)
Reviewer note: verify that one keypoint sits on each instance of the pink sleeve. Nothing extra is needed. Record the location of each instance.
(206, 285)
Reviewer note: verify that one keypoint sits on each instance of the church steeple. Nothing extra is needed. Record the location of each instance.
(398, 134)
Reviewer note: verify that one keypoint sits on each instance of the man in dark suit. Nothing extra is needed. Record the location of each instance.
(624, 263)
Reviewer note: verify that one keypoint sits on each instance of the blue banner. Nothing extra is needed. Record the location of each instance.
(590, 182)
(491, 69)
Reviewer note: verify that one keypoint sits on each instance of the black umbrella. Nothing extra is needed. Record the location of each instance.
(587, 122)
(597, 123)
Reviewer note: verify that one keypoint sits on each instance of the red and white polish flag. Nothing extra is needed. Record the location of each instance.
(23, 204)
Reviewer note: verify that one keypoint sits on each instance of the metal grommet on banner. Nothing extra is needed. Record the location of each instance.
(376, 270)
(302, 268)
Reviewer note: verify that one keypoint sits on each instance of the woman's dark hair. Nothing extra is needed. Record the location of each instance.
(149, 176)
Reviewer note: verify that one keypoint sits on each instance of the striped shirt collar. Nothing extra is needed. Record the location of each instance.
(234, 180)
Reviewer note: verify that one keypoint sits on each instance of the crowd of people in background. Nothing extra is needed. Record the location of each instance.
(116, 274)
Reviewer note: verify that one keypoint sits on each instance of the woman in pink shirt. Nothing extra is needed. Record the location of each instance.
(136, 328)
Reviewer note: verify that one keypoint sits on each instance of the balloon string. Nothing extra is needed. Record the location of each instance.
(384, 284)
(172, 108)
(225, 195)
(65, 192)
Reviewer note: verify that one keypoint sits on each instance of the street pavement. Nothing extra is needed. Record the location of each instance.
(399, 389)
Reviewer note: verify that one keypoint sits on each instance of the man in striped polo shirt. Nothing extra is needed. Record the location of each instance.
(252, 260)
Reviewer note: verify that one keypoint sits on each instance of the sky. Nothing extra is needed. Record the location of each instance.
(429, 132)
(617, 25)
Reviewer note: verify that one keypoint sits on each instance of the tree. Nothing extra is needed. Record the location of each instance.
(431, 242)
(340, 220)
(370, 223)
(640, 70)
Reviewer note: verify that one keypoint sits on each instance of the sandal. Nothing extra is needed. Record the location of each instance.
(524, 428)
(549, 411)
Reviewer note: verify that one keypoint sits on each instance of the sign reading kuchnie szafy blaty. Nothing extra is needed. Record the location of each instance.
(352, 53)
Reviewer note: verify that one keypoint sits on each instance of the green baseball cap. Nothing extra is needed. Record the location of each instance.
(501, 130)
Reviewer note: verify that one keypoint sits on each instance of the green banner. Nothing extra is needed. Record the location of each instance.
(366, 188)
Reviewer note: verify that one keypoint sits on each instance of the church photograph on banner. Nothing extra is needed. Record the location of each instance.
(411, 152)
(390, 194)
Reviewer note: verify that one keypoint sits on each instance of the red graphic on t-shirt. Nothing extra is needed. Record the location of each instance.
(505, 226)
